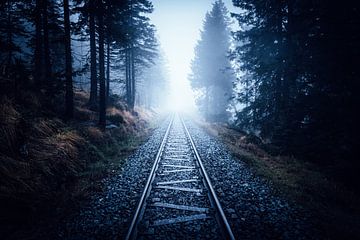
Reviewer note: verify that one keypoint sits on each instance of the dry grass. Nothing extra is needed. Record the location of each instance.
(13, 178)
(93, 134)
(47, 155)
(84, 114)
(9, 126)
(36, 156)
(113, 111)
(304, 182)
(81, 110)
(46, 163)
(56, 154)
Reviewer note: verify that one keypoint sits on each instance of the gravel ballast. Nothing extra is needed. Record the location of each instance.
(107, 215)
(253, 209)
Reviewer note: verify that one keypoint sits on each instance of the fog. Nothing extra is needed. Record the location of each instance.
(178, 25)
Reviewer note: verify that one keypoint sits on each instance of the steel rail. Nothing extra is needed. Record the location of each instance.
(131, 234)
(229, 234)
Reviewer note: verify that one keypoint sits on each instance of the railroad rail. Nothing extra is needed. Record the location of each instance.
(178, 200)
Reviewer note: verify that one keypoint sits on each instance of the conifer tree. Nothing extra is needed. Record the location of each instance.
(11, 28)
(211, 69)
(300, 74)
(153, 84)
(102, 97)
(69, 95)
(140, 43)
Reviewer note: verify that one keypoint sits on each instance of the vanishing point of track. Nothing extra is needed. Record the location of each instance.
(178, 201)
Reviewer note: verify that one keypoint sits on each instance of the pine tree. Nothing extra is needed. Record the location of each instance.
(139, 45)
(265, 40)
(69, 98)
(47, 43)
(11, 28)
(211, 69)
(102, 93)
(93, 66)
(297, 56)
(153, 84)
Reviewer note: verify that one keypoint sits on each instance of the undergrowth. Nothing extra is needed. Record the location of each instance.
(49, 166)
(334, 206)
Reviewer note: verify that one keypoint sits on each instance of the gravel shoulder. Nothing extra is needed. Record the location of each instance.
(251, 205)
(107, 215)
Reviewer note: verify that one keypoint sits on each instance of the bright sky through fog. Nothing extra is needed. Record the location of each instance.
(178, 24)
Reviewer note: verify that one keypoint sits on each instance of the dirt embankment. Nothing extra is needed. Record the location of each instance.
(48, 164)
(336, 207)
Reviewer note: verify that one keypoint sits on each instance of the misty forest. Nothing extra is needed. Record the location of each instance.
(167, 119)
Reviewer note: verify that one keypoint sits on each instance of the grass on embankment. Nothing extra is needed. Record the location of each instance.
(336, 208)
(49, 167)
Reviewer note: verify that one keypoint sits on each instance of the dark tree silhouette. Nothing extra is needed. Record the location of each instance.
(139, 44)
(69, 95)
(102, 94)
(38, 42)
(11, 29)
(45, 26)
(300, 75)
(93, 66)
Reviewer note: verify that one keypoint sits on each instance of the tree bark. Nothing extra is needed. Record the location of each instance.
(69, 98)
(128, 81)
(38, 43)
(102, 106)
(93, 70)
(46, 40)
(9, 36)
(132, 79)
(108, 70)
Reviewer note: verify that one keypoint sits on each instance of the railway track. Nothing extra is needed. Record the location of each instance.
(178, 201)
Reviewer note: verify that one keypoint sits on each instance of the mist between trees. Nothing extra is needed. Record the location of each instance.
(293, 68)
(288, 75)
(61, 43)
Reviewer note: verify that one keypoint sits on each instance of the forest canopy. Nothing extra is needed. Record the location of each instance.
(288, 75)
(43, 37)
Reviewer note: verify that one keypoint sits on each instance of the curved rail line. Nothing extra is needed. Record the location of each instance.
(219, 213)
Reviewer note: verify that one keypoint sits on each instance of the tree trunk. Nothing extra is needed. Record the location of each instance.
(46, 41)
(9, 36)
(131, 100)
(133, 92)
(102, 106)
(38, 43)
(128, 81)
(280, 78)
(207, 103)
(93, 70)
(69, 98)
(108, 70)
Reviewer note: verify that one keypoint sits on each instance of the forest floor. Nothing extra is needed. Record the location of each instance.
(49, 167)
(336, 207)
